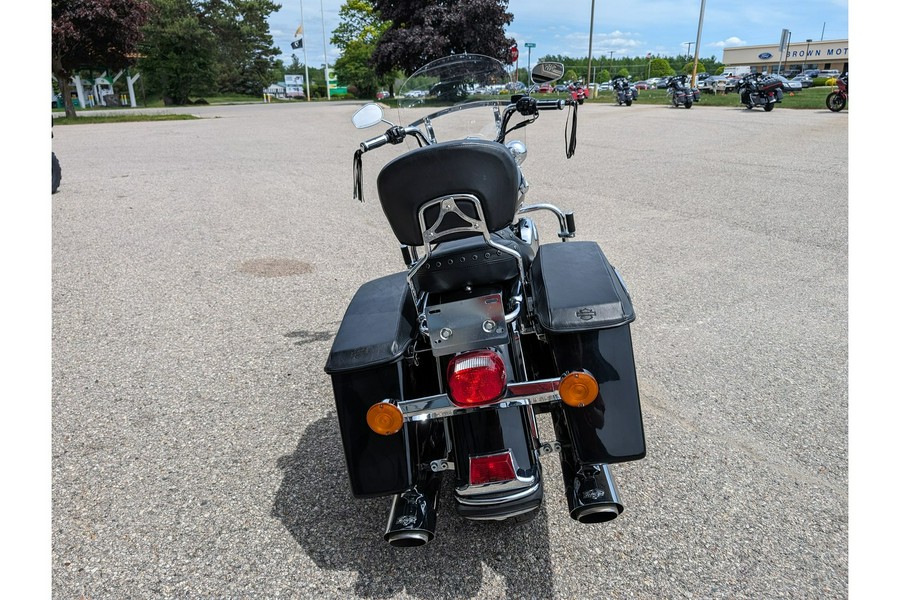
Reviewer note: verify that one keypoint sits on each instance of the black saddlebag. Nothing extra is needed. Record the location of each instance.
(585, 311)
(769, 83)
(366, 367)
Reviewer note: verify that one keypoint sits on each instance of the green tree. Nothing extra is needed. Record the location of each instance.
(356, 35)
(178, 53)
(245, 55)
(688, 68)
(623, 72)
(604, 76)
(660, 67)
(93, 33)
(424, 30)
(570, 74)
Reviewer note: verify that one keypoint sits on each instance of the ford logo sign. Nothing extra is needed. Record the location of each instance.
(766, 55)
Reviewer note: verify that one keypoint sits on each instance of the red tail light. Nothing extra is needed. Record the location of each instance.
(476, 378)
(491, 468)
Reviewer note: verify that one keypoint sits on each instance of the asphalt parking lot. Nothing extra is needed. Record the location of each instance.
(201, 269)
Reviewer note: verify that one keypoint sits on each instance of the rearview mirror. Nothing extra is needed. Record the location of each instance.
(547, 72)
(367, 116)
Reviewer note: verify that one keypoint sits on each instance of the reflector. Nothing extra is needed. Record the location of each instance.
(491, 468)
(384, 418)
(578, 389)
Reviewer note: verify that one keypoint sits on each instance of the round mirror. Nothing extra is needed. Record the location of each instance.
(367, 116)
(547, 72)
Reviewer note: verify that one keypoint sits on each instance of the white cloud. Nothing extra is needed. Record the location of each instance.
(732, 41)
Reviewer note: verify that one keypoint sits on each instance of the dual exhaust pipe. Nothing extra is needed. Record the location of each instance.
(590, 491)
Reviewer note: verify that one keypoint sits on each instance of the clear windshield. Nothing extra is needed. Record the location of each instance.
(457, 96)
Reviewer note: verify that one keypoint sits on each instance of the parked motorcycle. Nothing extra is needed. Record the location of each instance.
(444, 366)
(680, 92)
(837, 99)
(55, 169)
(578, 92)
(625, 92)
(759, 90)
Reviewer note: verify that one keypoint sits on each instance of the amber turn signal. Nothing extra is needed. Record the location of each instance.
(578, 389)
(384, 418)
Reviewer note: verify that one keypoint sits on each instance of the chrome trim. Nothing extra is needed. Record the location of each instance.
(517, 394)
(476, 226)
(560, 215)
(494, 487)
(504, 517)
(493, 500)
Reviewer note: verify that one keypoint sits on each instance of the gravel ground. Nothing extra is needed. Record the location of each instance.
(201, 269)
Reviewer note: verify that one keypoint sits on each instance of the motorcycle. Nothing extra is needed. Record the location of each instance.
(837, 99)
(759, 90)
(625, 93)
(55, 169)
(578, 92)
(680, 93)
(444, 366)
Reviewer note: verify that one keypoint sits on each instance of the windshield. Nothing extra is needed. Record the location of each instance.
(457, 97)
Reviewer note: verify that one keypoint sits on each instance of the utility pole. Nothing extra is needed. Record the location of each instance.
(697, 47)
(590, 47)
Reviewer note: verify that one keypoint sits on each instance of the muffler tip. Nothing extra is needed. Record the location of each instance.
(408, 539)
(597, 513)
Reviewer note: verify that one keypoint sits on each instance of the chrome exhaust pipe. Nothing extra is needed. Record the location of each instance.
(414, 515)
(592, 495)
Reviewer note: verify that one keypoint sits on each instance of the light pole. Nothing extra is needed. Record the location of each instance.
(806, 56)
(689, 44)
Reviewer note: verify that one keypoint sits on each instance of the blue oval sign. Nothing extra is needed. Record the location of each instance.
(766, 55)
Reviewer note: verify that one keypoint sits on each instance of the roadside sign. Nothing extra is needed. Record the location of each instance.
(530, 44)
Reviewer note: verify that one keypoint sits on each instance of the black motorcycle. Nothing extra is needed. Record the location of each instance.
(756, 89)
(625, 92)
(680, 92)
(445, 366)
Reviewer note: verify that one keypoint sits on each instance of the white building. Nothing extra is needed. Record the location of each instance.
(799, 55)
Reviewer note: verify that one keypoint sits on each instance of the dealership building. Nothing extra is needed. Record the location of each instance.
(797, 56)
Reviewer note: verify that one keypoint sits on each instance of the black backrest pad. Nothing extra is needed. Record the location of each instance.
(484, 169)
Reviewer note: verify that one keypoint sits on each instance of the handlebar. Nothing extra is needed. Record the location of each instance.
(524, 105)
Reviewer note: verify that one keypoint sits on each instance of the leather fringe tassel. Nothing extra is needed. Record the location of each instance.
(358, 176)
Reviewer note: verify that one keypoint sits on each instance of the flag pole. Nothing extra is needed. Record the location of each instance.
(325, 50)
(305, 61)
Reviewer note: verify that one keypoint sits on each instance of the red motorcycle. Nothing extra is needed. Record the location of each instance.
(837, 100)
(579, 92)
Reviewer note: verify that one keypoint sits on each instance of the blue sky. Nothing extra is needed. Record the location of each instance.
(629, 28)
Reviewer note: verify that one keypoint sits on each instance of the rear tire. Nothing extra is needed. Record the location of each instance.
(688, 104)
(56, 173)
(628, 103)
(769, 107)
(835, 102)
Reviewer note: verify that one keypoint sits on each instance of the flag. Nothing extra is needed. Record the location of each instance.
(648, 55)
(297, 44)
(299, 31)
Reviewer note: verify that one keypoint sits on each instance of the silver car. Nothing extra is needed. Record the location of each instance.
(789, 84)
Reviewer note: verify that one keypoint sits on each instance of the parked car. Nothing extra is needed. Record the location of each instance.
(829, 73)
(789, 85)
(545, 88)
(805, 80)
(641, 85)
(811, 72)
(561, 88)
(382, 95)
(715, 83)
